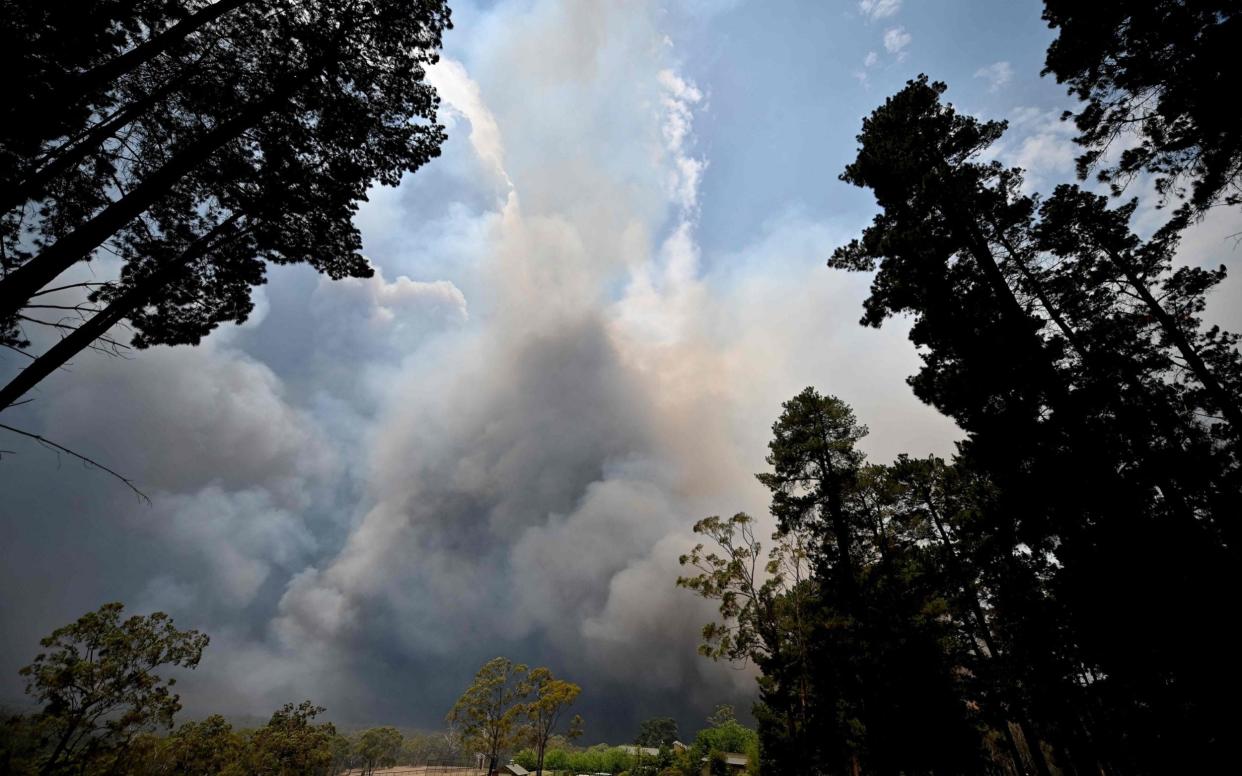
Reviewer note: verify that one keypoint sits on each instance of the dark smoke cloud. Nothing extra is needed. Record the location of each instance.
(495, 446)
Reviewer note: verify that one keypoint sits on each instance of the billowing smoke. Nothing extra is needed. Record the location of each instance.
(496, 446)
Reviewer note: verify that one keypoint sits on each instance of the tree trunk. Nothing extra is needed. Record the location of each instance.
(1019, 764)
(985, 633)
(1034, 749)
(25, 281)
(49, 766)
(844, 536)
(840, 527)
(98, 325)
(1016, 317)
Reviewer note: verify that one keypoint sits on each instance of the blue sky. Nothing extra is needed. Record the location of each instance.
(586, 314)
(786, 97)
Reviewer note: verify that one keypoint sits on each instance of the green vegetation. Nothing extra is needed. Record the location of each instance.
(489, 712)
(104, 707)
(722, 735)
(549, 699)
(379, 748)
(97, 684)
(657, 732)
(596, 759)
(105, 710)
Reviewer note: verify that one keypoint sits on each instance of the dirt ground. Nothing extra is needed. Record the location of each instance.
(423, 770)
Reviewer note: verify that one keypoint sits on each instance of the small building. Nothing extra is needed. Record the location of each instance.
(644, 751)
(513, 769)
(735, 762)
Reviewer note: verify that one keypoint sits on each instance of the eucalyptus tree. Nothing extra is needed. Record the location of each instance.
(550, 699)
(378, 748)
(489, 713)
(207, 748)
(292, 743)
(97, 684)
(657, 732)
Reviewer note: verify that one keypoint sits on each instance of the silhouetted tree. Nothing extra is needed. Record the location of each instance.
(197, 143)
(657, 732)
(1072, 355)
(861, 658)
(1160, 70)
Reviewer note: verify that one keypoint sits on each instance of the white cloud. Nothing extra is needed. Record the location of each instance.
(997, 74)
(679, 101)
(460, 94)
(869, 61)
(896, 39)
(384, 307)
(879, 9)
(1041, 144)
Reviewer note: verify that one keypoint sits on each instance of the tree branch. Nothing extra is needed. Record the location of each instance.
(84, 459)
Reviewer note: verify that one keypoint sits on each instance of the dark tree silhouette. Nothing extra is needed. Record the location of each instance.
(657, 732)
(1163, 70)
(199, 144)
(1099, 417)
(861, 663)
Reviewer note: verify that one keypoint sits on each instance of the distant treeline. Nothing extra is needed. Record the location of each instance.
(661, 754)
(103, 710)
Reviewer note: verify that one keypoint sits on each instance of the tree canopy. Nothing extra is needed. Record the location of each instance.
(489, 712)
(379, 748)
(995, 610)
(97, 685)
(1156, 72)
(197, 141)
(550, 698)
(656, 732)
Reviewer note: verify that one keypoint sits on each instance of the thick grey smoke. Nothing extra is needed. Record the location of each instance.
(496, 446)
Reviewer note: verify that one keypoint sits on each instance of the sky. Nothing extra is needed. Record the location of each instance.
(585, 316)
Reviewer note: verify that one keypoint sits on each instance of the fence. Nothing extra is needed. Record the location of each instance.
(459, 768)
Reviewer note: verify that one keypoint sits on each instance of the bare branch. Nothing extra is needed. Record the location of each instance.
(66, 288)
(16, 349)
(84, 459)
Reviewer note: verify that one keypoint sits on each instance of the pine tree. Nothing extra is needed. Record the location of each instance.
(1082, 414)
